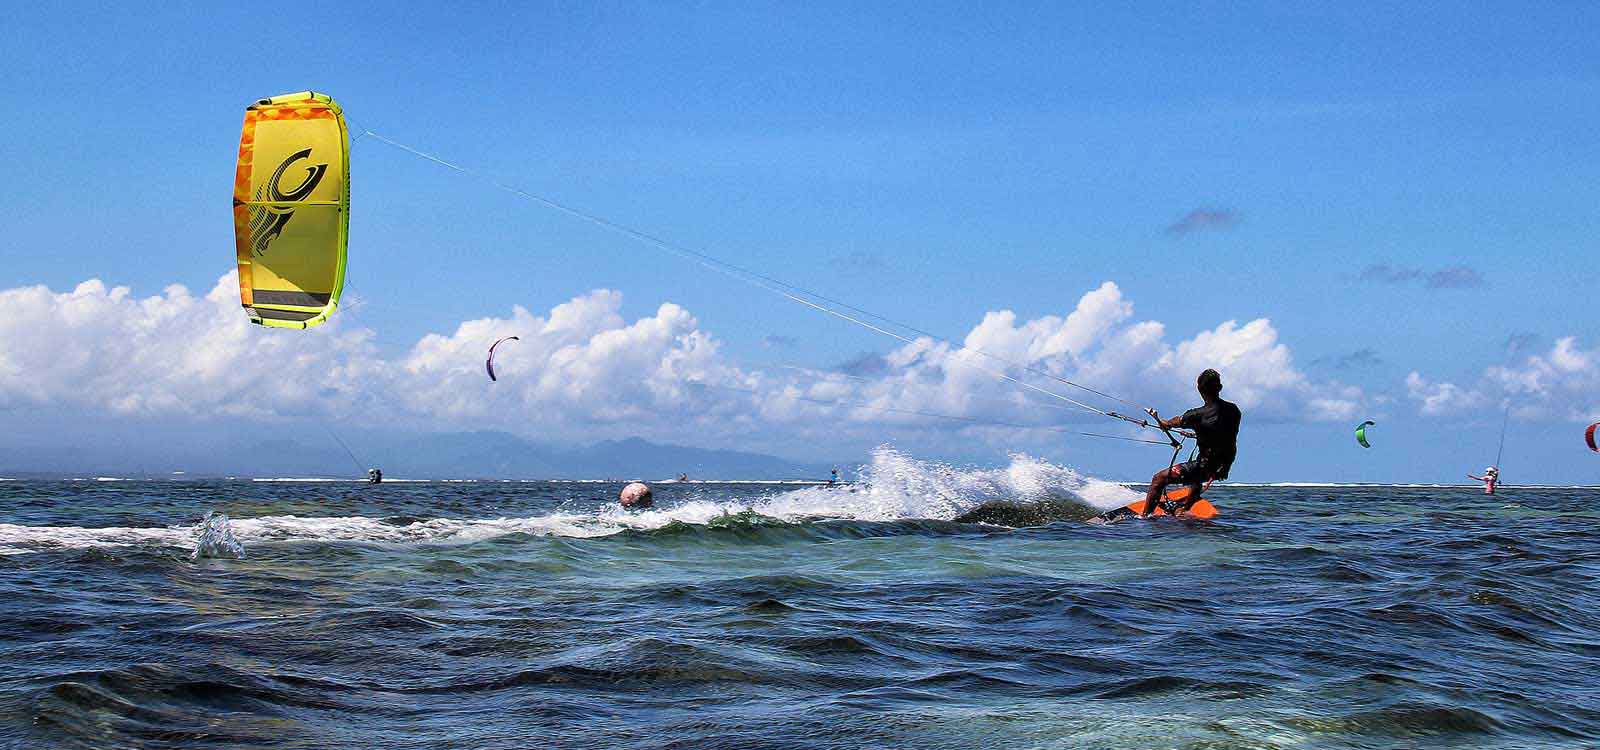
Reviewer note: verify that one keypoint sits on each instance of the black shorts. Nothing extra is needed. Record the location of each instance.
(1191, 473)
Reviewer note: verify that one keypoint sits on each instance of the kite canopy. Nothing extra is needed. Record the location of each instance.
(291, 209)
(488, 364)
(1588, 436)
(1361, 433)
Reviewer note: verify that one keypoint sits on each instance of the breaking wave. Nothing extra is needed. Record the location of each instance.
(894, 486)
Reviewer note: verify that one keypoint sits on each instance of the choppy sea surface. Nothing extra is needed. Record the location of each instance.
(923, 606)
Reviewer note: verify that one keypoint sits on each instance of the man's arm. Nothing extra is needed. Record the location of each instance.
(1168, 423)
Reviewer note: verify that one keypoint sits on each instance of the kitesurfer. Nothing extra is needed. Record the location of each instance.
(1216, 428)
(374, 475)
(636, 495)
(833, 477)
(1490, 478)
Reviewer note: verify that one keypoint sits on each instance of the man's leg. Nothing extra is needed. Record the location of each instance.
(1158, 485)
(1195, 488)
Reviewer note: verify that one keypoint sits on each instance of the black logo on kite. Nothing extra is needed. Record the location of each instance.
(267, 222)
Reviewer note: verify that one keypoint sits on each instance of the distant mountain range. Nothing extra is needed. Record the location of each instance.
(498, 454)
(466, 455)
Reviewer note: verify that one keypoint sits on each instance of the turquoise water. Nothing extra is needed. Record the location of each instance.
(735, 615)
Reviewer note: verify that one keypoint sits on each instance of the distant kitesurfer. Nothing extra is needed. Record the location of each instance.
(636, 495)
(833, 478)
(1216, 429)
(374, 476)
(1490, 478)
(683, 477)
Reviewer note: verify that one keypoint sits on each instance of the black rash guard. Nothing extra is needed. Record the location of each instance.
(1216, 429)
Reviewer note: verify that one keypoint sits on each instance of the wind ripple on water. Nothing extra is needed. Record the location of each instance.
(489, 616)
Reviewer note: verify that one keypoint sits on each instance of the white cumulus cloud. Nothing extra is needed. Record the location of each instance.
(99, 348)
(1561, 383)
(102, 350)
(1441, 399)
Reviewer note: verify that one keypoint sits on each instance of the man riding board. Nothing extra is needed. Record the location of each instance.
(1216, 428)
(1490, 478)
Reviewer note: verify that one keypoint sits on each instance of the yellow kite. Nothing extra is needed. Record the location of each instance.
(291, 209)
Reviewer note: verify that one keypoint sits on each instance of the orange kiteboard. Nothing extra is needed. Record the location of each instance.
(1201, 510)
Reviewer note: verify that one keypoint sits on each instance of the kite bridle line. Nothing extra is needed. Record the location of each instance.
(347, 451)
(1504, 423)
(826, 375)
(1177, 445)
(920, 413)
(790, 291)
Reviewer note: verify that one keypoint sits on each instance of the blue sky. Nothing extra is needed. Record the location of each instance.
(1397, 189)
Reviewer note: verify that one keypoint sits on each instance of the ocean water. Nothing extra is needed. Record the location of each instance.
(924, 606)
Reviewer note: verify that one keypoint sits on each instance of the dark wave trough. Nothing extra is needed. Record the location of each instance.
(498, 615)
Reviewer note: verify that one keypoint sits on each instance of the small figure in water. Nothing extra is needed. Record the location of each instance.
(1490, 478)
(1216, 429)
(375, 476)
(683, 477)
(636, 495)
(833, 478)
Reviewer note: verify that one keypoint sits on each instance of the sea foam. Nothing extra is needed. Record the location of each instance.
(892, 486)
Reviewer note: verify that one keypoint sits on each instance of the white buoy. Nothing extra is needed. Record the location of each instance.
(636, 495)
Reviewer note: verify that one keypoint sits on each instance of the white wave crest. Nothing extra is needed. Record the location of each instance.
(893, 486)
(897, 486)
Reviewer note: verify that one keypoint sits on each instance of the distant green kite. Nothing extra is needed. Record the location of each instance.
(1361, 433)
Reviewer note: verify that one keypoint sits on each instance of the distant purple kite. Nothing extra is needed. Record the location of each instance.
(488, 364)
